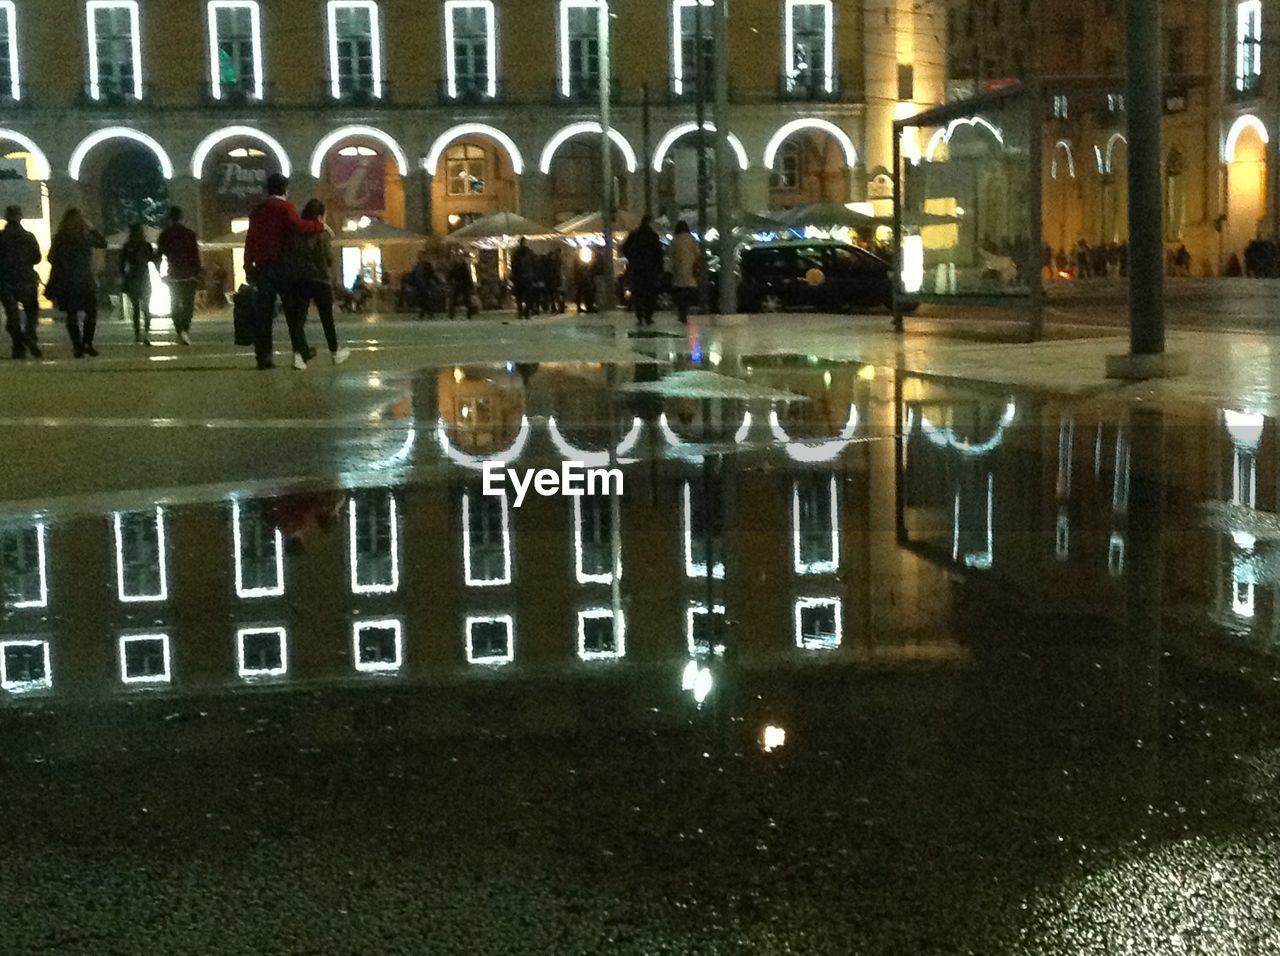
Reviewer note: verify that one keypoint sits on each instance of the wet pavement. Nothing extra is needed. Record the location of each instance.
(865, 659)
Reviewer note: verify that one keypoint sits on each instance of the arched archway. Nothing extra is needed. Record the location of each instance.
(571, 160)
(1063, 220)
(24, 172)
(1115, 191)
(474, 170)
(1245, 155)
(675, 160)
(809, 164)
(1175, 195)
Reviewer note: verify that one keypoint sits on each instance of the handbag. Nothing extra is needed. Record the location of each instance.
(242, 314)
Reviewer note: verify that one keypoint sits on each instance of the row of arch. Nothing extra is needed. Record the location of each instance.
(42, 169)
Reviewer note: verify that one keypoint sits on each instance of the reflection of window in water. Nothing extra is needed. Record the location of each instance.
(140, 556)
(704, 629)
(814, 516)
(374, 542)
(1120, 480)
(1066, 439)
(259, 553)
(1244, 477)
(262, 652)
(703, 528)
(973, 524)
(600, 634)
(490, 640)
(1115, 554)
(24, 666)
(144, 659)
(377, 645)
(22, 562)
(817, 622)
(593, 537)
(486, 527)
(1243, 586)
(1062, 535)
(474, 420)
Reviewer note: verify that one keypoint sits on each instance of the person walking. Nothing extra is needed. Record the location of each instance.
(135, 280)
(310, 258)
(19, 287)
(462, 285)
(271, 224)
(643, 251)
(423, 280)
(523, 278)
(72, 286)
(686, 268)
(180, 250)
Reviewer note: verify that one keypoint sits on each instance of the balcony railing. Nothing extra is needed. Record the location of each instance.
(112, 94)
(468, 89)
(361, 95)
(585, 89)
(234, 95)
(811, 87)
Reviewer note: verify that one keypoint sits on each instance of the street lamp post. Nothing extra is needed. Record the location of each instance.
(604, 38)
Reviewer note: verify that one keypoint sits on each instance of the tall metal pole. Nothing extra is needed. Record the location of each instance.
(724, 163)
(604, 35)
(646, 117)
(700, 79)
(1144, 94)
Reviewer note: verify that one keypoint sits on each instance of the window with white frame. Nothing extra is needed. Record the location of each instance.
(788, 167)
(464, 169)
(490, 639)
(815, 525)
(374, 533)
(258, 551)
(471, 48)
(23, 565)
(115, 49)
(235, 48)
(704, 629)
(24, 666)
(144, 659)
(141, 572)
(9, 83)
(818, 623)
(601, 634)
(262, 652)
(693, 36)
(1248, 46)
(593, 540)
(377, 646)
(355, 49)
(1061, 106)
(703, 530)
(486, 539)
(579, 47)
(810, 47)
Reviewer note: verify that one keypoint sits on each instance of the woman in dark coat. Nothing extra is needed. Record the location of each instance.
(135, 275)
(310, 260)
(72, 286)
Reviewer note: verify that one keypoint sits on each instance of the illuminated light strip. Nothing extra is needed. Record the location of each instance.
(828, 78)
(1065, 146)
(944, 135)
(353, 132)
(945, 437)
(566, 87)
(375, 33)
(387, 587)
(118, 132)
(619, 634)
(162, 678)
(1245, 428)
(504, 619)
(1242, 123)
(491, 43)
(1097, 158)
(15, 686)
(476, 462)
(215, 71)
(744, 430)
(677, 40)
(803, 604)
(1243, 592)
(163, 593)
(583, 576)
(692, 568)
(432, 161)
(10, 13)
(378, 667)
(42, 561)
(788, 130)
(578, 129)
(242, 667)
(39, 160)
(1062, 537)
(469, 577)
(692, 612)
(684, 129)
(275, 590)
(1115, 554)
(831, 565)
(594, 459)
(199, 157)
(1248, 14)
(979, 560)
(91, 15)
(819, 452)
(1111, 149)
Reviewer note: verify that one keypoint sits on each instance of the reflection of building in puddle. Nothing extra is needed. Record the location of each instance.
(483, 408)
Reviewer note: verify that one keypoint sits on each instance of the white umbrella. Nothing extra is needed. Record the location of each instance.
(592, 223)
(827, 215)
(502, 226)
(378, 233)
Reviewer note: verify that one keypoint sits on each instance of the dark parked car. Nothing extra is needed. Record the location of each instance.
(825, 276)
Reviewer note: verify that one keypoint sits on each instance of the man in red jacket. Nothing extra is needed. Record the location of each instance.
(271, 224)
(178, 247)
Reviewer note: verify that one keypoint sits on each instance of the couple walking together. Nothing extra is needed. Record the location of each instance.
(288, 258)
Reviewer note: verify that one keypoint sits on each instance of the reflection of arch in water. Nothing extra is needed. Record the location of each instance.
(1245, 428)
(476, 462)
(943, 135)
(945, 436)
(815, 452)
(594, 459)
(688, 449)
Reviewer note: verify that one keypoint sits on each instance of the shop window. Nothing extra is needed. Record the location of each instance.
(788, 167)
(464, 168)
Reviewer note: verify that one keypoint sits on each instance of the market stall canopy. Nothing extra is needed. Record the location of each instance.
(378, 233)
(920, 219)
(827, 215)
(232, 240)
(502, 226)
(592, 223)
(117, 239)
